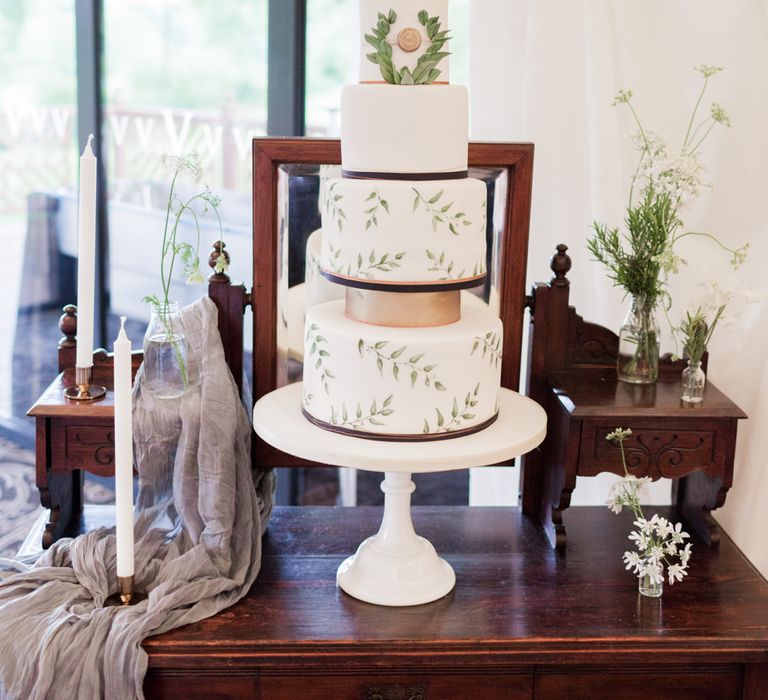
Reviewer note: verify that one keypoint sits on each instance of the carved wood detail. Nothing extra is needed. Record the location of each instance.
(397, 692)
(89, 447)
(656, 453)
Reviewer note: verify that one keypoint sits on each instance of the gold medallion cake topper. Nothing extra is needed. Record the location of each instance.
(409, 39)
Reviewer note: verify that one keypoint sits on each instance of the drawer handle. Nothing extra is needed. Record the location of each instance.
(397, 692)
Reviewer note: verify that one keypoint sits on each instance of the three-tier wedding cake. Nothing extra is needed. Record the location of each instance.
(404, 230)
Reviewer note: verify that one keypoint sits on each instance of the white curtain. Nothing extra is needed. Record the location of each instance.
(546, 71)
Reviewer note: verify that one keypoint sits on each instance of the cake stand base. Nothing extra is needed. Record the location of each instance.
(396, 566)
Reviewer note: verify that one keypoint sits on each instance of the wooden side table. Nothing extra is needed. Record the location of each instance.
(572, 374)
(72, 437)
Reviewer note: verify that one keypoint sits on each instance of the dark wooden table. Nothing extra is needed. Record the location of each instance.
(523, 621)
(694, 444)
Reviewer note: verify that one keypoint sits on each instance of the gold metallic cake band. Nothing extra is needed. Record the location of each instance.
(395, 310)
(393, 437)
(403, 287)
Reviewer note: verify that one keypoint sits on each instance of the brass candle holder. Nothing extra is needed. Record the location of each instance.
(126, 595)
(84, 389)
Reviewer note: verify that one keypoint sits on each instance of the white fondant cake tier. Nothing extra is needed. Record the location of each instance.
(408, 382)
(394, 231)
(407, 21)
(404, 129)
(317, 289)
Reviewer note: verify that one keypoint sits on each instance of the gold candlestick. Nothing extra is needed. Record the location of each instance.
(126, 595)
(84, 389)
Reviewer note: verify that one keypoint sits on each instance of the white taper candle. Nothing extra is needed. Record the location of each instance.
(86, 256)
(123, 452)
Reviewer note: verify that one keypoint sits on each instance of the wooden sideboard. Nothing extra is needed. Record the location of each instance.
(572, 374)
(524, 621)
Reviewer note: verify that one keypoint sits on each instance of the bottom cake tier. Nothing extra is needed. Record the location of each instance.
(383, 382)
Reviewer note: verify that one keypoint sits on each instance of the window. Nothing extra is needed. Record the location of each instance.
(38, 185)
(198, 83)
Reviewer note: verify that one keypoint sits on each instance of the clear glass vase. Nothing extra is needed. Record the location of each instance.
(693, 382)
(638, 361)
(650, 586)
(165, 353)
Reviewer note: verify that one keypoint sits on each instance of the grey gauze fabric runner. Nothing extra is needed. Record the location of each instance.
(200, 516)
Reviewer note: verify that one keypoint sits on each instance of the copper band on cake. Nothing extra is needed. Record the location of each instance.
(391, 309)
(384, 82)
(403, 287)
(416, 177)
(395, 437)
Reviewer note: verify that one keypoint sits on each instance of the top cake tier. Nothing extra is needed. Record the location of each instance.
(404, 41)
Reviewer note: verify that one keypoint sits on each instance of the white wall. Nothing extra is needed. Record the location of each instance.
(546, 71)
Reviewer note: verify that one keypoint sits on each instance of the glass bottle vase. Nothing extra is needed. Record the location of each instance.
(693, 382)
(650, 586)
(165, 353)
(638, 361)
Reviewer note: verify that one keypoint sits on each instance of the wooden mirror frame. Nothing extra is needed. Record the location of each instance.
(270, 153)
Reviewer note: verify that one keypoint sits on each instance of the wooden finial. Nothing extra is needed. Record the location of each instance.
(216, 253)
(68, 326)
(560, 265)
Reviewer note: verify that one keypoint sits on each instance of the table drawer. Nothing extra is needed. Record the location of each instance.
(640, 683)
(654, 449)
(78, 444)
(398, 686)
(229, 684)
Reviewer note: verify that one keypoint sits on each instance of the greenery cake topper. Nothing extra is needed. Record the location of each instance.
(426, 70)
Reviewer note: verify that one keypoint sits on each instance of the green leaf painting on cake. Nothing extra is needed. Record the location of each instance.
(425, 71)
(440, 211)
(399, 362)
(440, 264)
(375, 203)
(491, 346)
(383, 263)
(333, 205)
(359, 418)
(315, 342)
(456, 417)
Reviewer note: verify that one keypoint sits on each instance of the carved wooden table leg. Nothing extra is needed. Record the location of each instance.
(698, 495)
(559, 466)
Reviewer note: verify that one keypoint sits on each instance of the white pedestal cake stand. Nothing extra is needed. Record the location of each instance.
(396, 566)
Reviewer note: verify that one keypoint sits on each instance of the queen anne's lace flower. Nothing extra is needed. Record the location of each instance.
(707, 70)
(657, 539)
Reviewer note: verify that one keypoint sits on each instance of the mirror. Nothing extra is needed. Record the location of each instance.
(289, 180)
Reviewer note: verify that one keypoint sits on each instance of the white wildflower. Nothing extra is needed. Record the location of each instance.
(195, 277)
(663, 527)
(641, 541)
(633, 561)
(719, 114)
(676, 573)
(618, 434)
(685, 554)
(622, 97)
(655, 554)
(676, 535)
(707, 70)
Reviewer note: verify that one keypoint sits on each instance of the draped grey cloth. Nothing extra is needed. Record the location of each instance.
(200, 516)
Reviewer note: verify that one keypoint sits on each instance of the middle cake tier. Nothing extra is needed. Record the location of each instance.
(391, 383)
(383, 234)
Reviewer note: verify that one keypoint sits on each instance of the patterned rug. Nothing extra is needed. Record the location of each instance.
(20, 500)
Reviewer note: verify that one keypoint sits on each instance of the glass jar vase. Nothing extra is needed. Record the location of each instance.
(650, 582)
(693, 382)
(165, 353)
(638, 361)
